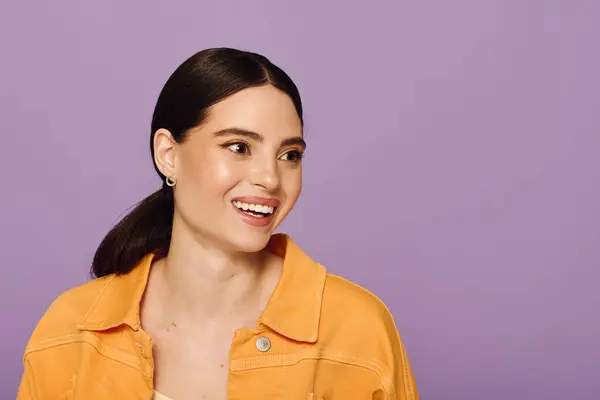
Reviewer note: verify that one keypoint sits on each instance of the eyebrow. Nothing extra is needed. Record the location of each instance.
(296, 140)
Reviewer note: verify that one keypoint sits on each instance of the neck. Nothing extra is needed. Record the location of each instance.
(201, 280)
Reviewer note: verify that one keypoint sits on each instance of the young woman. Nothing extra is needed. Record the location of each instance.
(194, 296)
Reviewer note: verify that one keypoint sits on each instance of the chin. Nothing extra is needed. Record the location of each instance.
(249, 242)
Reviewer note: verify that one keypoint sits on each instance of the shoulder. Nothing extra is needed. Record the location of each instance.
(357, 323)
(349, 302)
(66, 312)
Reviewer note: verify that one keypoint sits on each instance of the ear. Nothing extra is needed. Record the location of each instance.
(164, 152)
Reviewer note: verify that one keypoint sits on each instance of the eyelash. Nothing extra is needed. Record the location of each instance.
(299, 154)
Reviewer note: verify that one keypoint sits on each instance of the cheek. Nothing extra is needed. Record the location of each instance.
(221, 174)
(209, 176)
(292, 185)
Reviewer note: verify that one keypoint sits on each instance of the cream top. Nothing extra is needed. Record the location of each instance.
(160, 396)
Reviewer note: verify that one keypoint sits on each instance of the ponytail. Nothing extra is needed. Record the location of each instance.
(147, 228)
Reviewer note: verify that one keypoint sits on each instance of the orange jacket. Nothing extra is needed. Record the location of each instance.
(320, 337)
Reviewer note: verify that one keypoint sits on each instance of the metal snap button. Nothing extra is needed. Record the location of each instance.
(263, 344)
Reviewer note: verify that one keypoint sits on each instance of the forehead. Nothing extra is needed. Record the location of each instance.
(264, 109)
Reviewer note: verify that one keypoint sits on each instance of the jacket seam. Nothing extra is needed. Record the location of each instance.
(319, 302)
(101, 348)
(331, 355)
(408, 389)
(27, 376)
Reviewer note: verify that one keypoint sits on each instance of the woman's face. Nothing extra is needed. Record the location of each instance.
(238, 174)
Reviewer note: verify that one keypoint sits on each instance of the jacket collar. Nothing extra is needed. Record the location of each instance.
(294, 309)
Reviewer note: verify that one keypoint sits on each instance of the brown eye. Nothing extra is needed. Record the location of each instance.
(292, 156)
(239, 148)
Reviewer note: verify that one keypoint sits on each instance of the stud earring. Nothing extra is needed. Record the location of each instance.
(170, 181)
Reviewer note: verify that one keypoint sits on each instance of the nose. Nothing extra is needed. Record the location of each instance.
(265, 174)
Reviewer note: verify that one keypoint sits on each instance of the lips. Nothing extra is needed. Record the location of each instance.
(263, 201)
(255, 211)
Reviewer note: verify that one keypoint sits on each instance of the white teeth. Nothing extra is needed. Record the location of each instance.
(259, 208)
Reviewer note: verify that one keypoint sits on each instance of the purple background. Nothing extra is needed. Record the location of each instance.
(452, 168)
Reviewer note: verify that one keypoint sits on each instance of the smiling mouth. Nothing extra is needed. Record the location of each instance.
(255, 210)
